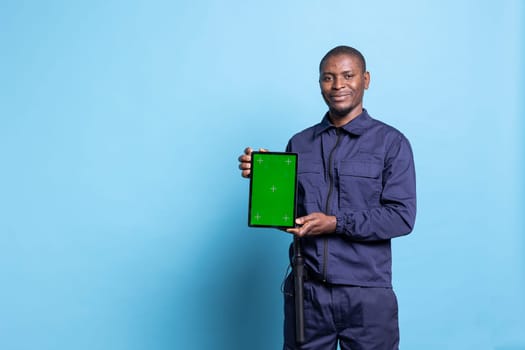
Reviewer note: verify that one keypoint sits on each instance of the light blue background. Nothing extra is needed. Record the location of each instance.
(122, 212)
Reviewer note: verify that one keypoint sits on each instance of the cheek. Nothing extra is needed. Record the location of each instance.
(358, 89)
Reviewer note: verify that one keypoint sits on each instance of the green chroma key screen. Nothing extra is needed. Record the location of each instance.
(272, 189)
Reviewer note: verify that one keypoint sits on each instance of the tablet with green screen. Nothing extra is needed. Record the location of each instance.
(273, 185)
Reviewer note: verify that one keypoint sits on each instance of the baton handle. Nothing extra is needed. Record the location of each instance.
(298, 268)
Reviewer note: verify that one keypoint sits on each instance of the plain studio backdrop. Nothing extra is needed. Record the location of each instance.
(123, 216)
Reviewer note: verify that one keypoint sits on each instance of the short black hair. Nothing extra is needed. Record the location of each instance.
(343, 50)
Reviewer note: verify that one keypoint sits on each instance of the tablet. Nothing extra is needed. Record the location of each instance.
(273, 186)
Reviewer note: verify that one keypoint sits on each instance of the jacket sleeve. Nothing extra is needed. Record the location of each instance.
(397, 211)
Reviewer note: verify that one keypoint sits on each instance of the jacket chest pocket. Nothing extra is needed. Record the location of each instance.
(360, 184)
(309, 182)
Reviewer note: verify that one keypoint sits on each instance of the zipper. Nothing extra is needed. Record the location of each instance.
(328, 198)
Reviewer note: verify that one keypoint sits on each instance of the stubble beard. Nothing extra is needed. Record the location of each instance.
(340, 113)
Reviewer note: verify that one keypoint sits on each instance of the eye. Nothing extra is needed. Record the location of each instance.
(349, 76)
(327, 78)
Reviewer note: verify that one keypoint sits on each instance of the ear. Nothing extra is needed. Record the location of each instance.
(367, 79)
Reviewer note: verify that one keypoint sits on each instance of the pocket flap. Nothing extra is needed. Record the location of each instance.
(304, 166)
(360, 168)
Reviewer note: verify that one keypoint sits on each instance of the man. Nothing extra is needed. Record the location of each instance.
(356, 191)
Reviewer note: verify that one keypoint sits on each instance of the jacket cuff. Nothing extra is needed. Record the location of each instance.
(345, 224)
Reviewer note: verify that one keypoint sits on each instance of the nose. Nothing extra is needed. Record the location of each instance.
(338, 83)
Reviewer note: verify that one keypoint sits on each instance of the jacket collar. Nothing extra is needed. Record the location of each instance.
(356, 126)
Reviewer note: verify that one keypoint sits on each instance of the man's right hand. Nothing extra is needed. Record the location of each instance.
(245, 161)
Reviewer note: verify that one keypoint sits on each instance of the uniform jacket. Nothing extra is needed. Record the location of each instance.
(362, 173)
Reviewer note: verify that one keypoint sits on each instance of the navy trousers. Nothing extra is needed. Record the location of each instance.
(359, 318)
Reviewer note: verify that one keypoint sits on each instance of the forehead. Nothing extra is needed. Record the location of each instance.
(340, 63)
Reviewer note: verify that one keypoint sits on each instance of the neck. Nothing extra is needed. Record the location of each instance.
(340, 120)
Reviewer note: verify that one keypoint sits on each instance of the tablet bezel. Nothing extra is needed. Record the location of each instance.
(254, 169)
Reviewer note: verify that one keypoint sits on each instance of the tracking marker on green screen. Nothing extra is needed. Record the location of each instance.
(273, 186)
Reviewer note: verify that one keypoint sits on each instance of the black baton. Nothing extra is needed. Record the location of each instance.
(298, 268)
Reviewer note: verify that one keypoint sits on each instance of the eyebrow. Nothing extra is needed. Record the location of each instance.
(345, 72)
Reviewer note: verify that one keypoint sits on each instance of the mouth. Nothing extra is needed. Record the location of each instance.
(339, 97)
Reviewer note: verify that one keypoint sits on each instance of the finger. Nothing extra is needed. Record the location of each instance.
(297, 231)
(303, 219)
(245, 158)
(246, 173)
(263, 150)
(248, 151)
(245, 165)
(300, 231)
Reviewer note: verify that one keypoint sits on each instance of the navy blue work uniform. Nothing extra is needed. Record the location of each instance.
(363, 174)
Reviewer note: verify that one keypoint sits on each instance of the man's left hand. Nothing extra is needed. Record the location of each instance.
(314, 224)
